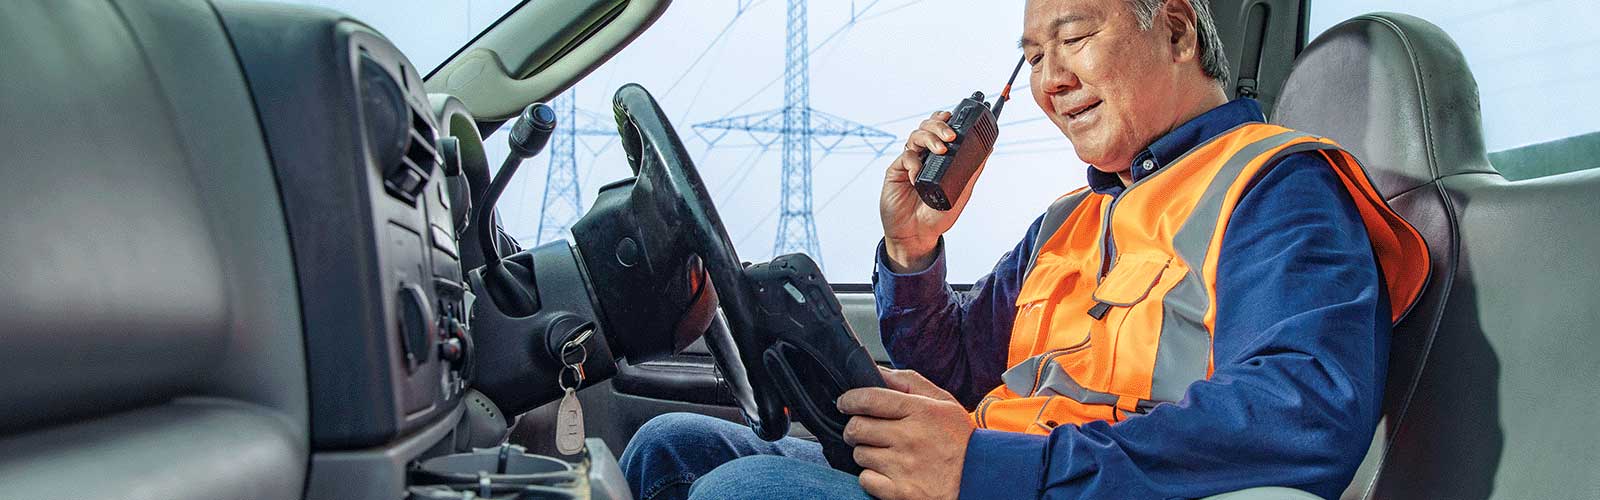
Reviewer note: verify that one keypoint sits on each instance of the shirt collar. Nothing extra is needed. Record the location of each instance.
(1168, 148)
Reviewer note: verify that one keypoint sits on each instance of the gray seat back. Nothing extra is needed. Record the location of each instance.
(152, 345)
(1490, 388)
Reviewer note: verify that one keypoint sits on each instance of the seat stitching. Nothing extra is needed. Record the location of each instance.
(1422, 91)
(1430, 184)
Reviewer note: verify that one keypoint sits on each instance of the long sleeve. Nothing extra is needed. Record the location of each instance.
(1300, 352)
(956, 339)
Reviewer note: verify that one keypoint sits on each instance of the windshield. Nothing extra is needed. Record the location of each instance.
(715, 63)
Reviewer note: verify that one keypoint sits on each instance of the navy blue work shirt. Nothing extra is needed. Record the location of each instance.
(1300, 350)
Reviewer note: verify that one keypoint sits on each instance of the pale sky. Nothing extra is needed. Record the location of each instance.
(902, 59)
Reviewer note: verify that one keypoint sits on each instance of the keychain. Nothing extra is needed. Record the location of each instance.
(569, 413)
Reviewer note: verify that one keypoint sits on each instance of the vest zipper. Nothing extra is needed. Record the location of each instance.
(1051, 355)
(1108, 251)
(983, 411)
(1107, 245)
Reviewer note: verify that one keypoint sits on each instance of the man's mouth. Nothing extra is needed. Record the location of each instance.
(1079, 111)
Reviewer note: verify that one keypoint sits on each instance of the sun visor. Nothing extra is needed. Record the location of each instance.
(539, 50)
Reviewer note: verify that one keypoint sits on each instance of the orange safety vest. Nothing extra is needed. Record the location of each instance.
(1118, 310)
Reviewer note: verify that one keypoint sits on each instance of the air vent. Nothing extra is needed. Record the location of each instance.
(399, 137)
(407, 179)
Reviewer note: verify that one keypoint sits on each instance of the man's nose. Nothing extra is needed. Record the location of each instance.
(1057, 76)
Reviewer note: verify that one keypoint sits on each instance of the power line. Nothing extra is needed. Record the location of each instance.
(745, 167)
(700, 90)
(923, 115)
(859, 171)
(752, 231)
(931, 111)
(738, 12)
(892, 9)
(707, 50)
(854, 18)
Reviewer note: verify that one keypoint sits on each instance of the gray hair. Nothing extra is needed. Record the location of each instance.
(1212, 59)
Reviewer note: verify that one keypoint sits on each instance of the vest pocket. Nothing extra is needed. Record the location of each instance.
(1129, 282)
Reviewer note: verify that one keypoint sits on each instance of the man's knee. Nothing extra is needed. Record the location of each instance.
(672, 450)
(769, 476)
(673, 432)
(747, 477)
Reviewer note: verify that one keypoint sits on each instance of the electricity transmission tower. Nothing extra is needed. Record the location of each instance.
(799, 126)
(562, 202)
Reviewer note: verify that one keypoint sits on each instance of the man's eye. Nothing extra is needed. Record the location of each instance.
(1034, 61)
(1072, 40)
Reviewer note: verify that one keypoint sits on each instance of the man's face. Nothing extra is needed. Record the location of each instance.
(1109, 85)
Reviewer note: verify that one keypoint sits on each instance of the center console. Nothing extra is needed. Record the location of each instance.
(360, 167)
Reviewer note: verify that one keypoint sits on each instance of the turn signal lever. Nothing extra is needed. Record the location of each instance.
(503, 280)
(519, 329)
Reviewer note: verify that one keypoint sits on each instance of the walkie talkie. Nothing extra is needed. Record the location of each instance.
(945, 176)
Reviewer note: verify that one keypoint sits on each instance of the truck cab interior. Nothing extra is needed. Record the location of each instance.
(250, 251)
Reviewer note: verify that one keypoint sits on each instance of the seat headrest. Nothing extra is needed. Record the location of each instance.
(1395, 91)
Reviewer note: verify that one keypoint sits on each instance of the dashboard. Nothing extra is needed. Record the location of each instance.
(355, 146)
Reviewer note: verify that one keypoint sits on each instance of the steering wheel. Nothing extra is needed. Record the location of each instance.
(661, 163)
(782, 341)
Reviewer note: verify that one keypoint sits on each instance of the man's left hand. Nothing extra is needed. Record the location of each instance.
(911, 438)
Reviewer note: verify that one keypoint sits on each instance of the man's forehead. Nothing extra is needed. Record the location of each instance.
(1042, 18)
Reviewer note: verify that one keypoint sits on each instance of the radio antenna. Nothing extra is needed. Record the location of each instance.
(1005, 95)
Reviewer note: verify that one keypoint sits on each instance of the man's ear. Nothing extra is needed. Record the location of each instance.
(1181, 22)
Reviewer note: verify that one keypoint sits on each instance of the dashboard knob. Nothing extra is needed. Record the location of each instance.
(450, 350)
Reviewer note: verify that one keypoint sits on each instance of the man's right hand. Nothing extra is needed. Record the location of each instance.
(911, 229)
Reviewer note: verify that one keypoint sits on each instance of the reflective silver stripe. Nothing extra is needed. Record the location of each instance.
(1056, 381)
(1020, 378)
(1053, 381)
(1184, 351)
(1054, 217)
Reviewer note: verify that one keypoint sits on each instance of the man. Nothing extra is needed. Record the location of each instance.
(1211, 314)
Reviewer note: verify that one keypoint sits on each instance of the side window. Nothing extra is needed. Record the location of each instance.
(1536, 69)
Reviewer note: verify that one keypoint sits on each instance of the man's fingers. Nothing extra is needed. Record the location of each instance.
(894, 379)
(931, 134)
(877, 484)
(896, 169)
(939, 129)
(873, 457)
(911, 382)
(924, 140)
(904, 168)
(869, 431)
(912, 167)
(878, 402)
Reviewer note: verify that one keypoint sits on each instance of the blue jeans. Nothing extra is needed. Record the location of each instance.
(683, 455)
